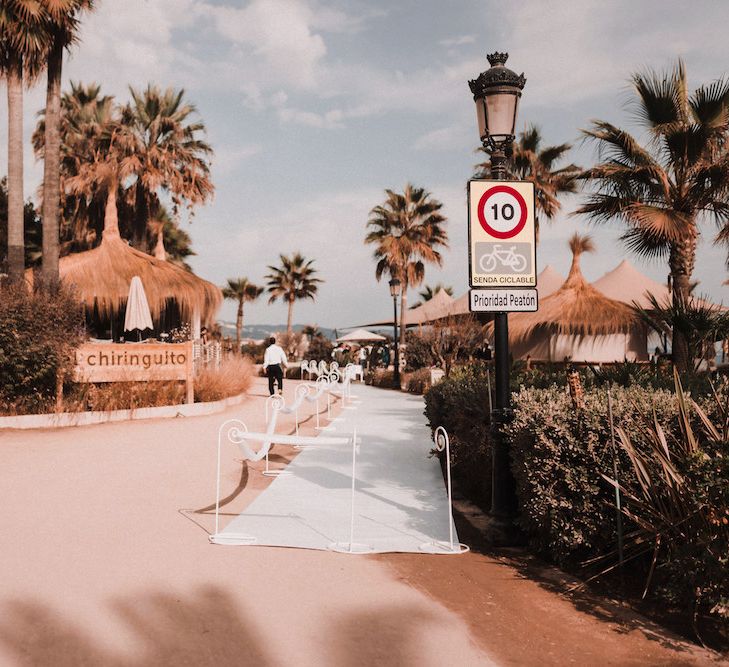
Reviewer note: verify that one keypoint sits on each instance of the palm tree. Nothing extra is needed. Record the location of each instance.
(84, 111)
(312, 331)
(659, 191)
(407, 230)
(173, 159)
(291, 281)
(22, 51)
(62, 27)
(240, 290)
(530, 162)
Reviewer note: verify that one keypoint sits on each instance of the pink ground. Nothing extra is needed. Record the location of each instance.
(104, 561)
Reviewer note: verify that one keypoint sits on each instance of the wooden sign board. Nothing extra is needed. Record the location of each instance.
(135, 362)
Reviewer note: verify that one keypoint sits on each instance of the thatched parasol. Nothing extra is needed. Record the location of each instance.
(102, 276)
(576, 308)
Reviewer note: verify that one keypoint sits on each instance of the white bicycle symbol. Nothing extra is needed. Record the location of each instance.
(507, 258)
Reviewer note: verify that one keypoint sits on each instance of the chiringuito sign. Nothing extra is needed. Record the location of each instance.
(501, 232)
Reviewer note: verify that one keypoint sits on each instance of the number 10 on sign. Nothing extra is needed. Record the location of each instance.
(502, 243)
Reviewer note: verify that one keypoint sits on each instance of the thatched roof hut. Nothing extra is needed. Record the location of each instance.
(101, 278)
(578, 323)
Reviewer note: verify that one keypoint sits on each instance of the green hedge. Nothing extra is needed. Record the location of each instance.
(460, 403)
(38, 333)
(567, 508)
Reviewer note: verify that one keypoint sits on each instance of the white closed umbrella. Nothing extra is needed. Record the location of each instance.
(137, 316)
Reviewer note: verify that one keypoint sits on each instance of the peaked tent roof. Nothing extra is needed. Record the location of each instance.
(625, 283)
(548, 281)
(433, 309)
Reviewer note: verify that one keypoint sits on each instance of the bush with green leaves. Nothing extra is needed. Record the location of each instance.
(670, 457)
(460, 403)
(418, 352)
(38, 334)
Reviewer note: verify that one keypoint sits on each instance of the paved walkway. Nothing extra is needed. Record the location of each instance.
(400, 499)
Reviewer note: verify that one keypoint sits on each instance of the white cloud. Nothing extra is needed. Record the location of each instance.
(228, 158)
(277, 31)
(457, 41)
(443, 139)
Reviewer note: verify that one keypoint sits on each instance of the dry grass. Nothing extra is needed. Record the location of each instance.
(232, 378)
(125, 396)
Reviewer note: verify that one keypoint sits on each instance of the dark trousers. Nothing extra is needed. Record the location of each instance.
(275, 374)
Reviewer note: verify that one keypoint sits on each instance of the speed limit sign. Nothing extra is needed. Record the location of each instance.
(502, 239)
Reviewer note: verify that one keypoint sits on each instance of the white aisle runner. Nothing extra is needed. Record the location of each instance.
(400, 501)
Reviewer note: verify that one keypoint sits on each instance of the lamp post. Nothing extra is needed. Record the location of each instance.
(496, 93)
(395, 292)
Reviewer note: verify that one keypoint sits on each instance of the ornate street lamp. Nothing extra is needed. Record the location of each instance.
(497, 92)
(394, 293)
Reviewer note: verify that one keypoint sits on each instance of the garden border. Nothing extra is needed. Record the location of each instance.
(64, 419)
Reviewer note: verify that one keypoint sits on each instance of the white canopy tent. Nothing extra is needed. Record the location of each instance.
(360, 336)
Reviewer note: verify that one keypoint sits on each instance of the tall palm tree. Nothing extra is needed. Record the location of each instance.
(173, 159)
(660, 191)
(292, 280)
(532, 162)
(84, 112)
(240, 290)
(407, 230)
(62, 27)
(22, 49)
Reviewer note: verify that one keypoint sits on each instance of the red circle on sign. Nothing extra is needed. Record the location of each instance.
(522, 210)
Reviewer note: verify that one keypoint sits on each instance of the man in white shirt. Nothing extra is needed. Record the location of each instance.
(274, 362)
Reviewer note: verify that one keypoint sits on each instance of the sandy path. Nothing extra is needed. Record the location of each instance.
(100, 565)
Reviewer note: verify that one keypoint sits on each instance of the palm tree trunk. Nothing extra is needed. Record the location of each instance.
(52, 165)
(681, 261)
(238, 324)
(16, 244)
(403, 310)
(290, 316)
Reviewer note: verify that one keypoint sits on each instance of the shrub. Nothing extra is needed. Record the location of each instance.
(418, 382)
(38, 333)
(233, 377)
(558, 457)
(460, 403)
(320, 348)
(254, 351)
(672, 466)
(380, 377)
(417, 352)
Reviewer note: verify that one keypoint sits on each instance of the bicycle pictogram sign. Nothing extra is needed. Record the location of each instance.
(508, 259)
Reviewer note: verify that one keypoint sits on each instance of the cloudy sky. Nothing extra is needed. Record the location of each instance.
(314, 107)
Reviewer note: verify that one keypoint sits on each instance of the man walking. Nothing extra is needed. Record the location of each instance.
(274, 362)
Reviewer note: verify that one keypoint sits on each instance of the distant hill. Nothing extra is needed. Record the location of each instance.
(258, 331)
